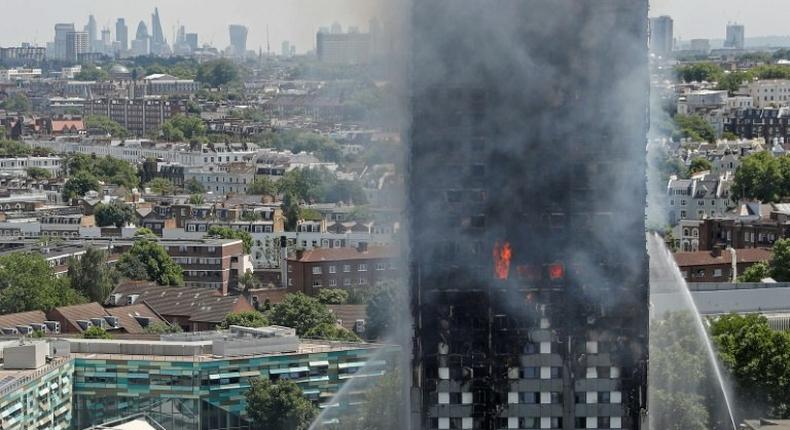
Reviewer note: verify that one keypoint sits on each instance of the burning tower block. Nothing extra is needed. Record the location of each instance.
(529, 281)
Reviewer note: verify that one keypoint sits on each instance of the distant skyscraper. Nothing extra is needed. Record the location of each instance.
(336, 28)
(92, 31)
(59, 46)
(141, 45)
(662, 36)
(77, 42)
(238, 39)
(158, 41)
(343, 48)
(122, 34)
(192, 41)
(736, 36)
(286, 48)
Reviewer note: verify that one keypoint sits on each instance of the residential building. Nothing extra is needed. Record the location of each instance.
(223, 179)
(363, 267)
(18, 166)
(768, 93)
(701, 46)
(167, 85)
(735, 37)
(22, 55)
(717, 265)
(752, 225)
(35, 392)
(140, 116)
(662, 36)
(343, 48)
(702, 100)
(703, 196)
(19, 74)
(189, 308)
(522, 301)
(767, 123)
(77, 42)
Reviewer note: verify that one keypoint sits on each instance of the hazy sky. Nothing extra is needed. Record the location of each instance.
(297, 20)
(294, 20)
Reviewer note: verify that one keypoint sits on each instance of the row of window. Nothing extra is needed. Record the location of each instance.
(362, 267)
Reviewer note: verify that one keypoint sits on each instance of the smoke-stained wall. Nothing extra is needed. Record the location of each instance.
(529, 284)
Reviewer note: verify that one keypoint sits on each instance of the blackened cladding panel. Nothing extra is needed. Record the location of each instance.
(527, 195)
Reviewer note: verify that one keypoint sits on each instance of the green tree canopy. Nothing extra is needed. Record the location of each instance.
(38, 173)
(217, 73)
(693, 127)
(755, 273)
(161, 186)
(27, 283)
(229, 233)
(332, 296)
(196, 199)
(297, 141)
(182, 127)
(758, 177)
(262, 185)
(246, 319)
(699, 165)
(732, 81)
(699, 72)
(96, 332)
(13, 148)
(17, 102)
(193, 186)
(160, 327)
(780, 260)
(107, 125)
(91, 276)
(148, 260)
(90, 72)
(79, 184)
(107, 169)
(332, 332)
(116, 213)
(278, 405)
(292, 211)
(320, 186)
(384, 308)
(300, 312)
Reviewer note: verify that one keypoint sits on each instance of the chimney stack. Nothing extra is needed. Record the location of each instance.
(362, 247)
(716, 251)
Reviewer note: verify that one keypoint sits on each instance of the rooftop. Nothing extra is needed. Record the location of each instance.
(316, 255)
(706, 258)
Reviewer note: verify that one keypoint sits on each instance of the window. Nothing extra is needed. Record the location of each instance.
(332, 269)
(347, 282)
(316, 270)
(362, 268)
(346, 268)
(530, 373)
(604, 397)
(333, 282)
(717, 273)
(380, 266)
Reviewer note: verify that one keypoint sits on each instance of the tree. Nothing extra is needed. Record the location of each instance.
(91, 72)
(38, 173)
(181, 127)
(278, 405)
(755, 273)
(79, 185)
(292, 212)
(701, 72)
(193, 186)
(196, 199)
(262, 185)
(758, 177)
(333, 296)
(160, 327)
(217, 73)
(108, 126)
(148, 260)
(161, 186)
(27, 283)
(144, 233)
(693, 127)
(780, 260)
(382, 407)
(248, 281)
(300, 312)
(229, 233)
(18, 103)
(331, 332)
(246, 319)
(95, 332)
(758, 359)
(299, 140)
(106, 169)
(91, 276)
(384, 309)
(115, 213)
(732, 81)
(699, 165)
(13, 148)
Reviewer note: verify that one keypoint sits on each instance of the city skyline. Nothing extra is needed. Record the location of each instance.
(36, 26)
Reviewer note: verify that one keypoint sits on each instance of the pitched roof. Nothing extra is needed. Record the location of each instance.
(706, 258)
(349, 314)
(199, 305)
(22, 318)
(338, 254)
(125, 315)
(67, 124)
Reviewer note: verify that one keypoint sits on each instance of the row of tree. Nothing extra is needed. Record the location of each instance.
(763, 177)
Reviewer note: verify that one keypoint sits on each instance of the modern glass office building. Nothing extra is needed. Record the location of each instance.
(527, 199)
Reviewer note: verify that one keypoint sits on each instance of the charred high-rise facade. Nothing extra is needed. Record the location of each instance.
(529, 281)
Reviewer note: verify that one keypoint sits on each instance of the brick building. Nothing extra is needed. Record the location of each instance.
(757, 226)
(716, 265)
(346, 268)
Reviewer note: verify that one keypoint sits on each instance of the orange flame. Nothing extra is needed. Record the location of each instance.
(502, 256)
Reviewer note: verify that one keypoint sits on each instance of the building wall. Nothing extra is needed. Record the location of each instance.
(311, 277)
(42, 402)
(211, 390)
